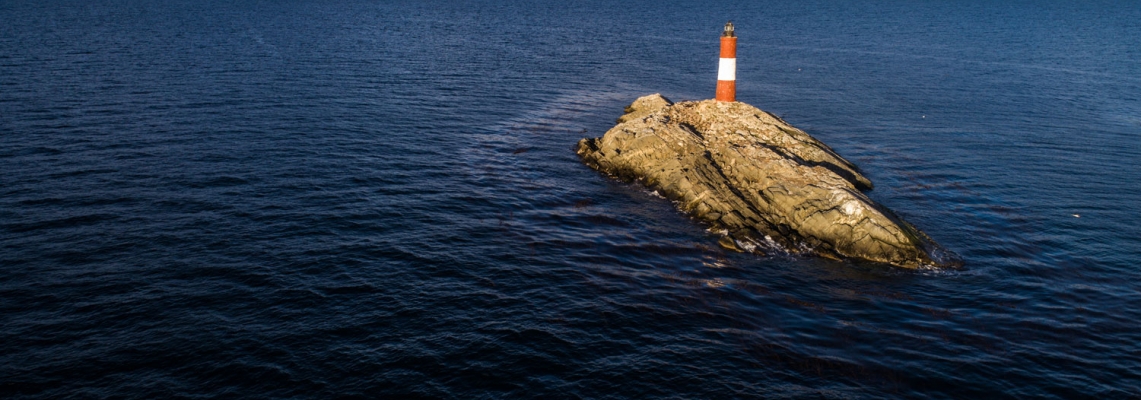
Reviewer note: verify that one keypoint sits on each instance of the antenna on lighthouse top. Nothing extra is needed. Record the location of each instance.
(728, 30)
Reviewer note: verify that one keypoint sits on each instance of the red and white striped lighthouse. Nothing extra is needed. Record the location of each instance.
(727, 71)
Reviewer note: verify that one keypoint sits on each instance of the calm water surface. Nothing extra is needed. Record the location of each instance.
(380, 198)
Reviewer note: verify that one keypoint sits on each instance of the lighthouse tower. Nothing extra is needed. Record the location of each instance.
(727, 71)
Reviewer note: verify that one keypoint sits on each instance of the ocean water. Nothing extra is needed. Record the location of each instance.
(354, 198)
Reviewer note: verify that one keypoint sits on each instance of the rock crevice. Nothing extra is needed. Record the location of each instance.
(767, 184)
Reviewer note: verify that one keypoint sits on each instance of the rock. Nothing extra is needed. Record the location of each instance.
(764, 183)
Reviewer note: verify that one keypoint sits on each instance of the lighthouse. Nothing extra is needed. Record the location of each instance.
(727, 70)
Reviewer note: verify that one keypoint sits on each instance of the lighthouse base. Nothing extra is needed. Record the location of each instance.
(726, 91)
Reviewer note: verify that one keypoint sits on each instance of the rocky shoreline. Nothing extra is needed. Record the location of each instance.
(762, 182)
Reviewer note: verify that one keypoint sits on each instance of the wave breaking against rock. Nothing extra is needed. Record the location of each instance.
(765, 183)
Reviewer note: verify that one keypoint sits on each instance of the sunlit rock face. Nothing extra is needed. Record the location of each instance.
(765, 184)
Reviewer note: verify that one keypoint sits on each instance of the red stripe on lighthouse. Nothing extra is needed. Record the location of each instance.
(727, 70)
(726, 90)
(728, 47)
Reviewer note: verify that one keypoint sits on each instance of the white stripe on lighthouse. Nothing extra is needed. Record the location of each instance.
(727, 71)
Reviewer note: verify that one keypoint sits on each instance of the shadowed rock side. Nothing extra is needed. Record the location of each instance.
(764, 183)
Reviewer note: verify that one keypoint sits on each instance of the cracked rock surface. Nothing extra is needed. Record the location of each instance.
(762, 182)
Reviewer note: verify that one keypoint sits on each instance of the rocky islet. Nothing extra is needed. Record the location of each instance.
(763, 183)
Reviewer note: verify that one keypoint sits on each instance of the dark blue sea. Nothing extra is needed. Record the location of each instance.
(380, 198)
